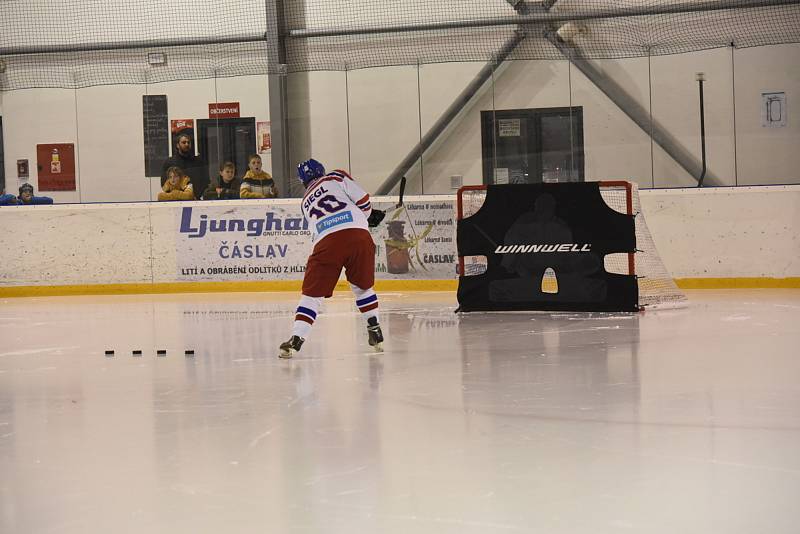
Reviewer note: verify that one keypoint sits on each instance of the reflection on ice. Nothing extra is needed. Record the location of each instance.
(482, 422)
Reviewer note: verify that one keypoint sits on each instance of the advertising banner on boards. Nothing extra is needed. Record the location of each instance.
(266, 241)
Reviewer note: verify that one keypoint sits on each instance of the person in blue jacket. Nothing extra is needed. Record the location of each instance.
(26, 196)
(7, 199)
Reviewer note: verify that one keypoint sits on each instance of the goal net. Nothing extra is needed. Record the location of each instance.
(565, 237)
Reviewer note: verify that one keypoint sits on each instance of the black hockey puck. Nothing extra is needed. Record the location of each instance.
(137, 353)
(109, 353)
(189, 352)
(161, 352)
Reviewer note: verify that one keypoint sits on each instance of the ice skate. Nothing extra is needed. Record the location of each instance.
(288, 348)
(375, 334)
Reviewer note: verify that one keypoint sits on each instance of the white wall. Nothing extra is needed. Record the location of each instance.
(318, 123)
(676, 107)
(440, 84)
(383, 125)
(614, 146)
(767, 155)
(109, 131)
(388, 105)
(384, 120)
(38, 116)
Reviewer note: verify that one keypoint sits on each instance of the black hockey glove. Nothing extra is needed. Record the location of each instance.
(375, 218)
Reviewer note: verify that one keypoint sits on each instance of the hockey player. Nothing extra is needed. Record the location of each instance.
(339, 214)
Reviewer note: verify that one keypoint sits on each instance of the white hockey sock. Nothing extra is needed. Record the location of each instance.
(305, 315)
(367, 301)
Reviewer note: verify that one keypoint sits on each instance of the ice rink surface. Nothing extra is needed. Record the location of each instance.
(675, 421)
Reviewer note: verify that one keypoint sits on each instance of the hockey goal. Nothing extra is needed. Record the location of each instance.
(656, 288)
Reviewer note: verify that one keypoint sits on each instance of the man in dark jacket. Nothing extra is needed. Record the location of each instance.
(194, 167)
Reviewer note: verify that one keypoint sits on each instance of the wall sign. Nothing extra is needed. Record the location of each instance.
(509, 127)
(22, 169)
(223, 110)
(773, 109)
(55, 164)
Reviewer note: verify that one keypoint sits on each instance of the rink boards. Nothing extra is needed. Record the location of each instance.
(720, 237)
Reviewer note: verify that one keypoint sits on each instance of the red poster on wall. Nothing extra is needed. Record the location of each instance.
(56, 166)
(264, 136)
(181, 126)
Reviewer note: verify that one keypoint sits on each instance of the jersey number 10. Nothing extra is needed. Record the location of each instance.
(329, 204)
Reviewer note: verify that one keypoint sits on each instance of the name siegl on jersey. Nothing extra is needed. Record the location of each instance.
(314, 196)
(535, 249)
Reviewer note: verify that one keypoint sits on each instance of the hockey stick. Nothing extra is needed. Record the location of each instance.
(395, 213)
(400, 205)
(402, 190)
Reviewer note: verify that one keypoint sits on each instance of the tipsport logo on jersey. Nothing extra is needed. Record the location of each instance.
(243, 243)
(334, 220)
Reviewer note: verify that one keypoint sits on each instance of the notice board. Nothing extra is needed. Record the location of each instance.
(156, 133)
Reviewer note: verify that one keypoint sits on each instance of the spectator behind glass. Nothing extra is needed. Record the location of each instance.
(184, 158)
(26, 196)
(257, 183)
(7, 199)
(177, 187)
(225, 186)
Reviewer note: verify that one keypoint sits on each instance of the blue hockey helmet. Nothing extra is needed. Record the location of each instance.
(309, 171)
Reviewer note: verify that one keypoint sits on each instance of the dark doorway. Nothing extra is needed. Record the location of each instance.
(220, 140)
(526, 146)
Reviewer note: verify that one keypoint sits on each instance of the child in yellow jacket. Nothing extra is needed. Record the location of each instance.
(257, 183)
(177, 187)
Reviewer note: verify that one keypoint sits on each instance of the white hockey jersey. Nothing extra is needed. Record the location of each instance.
(335, 202)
